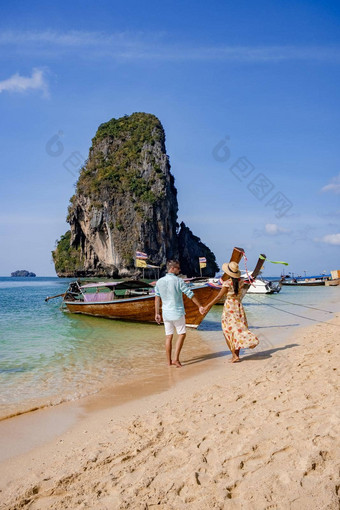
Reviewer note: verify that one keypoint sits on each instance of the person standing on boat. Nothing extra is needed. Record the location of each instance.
(170, 290)
(234, 320)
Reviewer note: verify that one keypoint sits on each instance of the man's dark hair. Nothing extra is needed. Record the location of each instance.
(172, 263)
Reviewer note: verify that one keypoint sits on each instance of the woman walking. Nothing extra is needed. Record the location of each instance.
(234, 320)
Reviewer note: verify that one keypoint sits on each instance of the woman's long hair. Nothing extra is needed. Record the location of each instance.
(236, 282)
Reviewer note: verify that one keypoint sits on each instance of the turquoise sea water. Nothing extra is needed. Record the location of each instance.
(47, 356)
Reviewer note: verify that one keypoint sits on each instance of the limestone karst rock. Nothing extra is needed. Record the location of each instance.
(125, 201)
(23, 273)
(190, 248)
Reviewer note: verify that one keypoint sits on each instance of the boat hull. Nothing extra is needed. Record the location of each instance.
(264, 287)
(304, 284)
(333, 283)
(260, 290)
(142, 308)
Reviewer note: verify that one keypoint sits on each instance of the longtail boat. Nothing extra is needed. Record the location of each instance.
(134, 300)
(129, 300)
(237, 255)
(306, 281)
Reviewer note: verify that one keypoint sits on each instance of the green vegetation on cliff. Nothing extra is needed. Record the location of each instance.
(66, 258)
(126, 200)
(139, 126)
(120, 149)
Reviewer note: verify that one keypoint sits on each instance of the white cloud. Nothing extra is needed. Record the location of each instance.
(155, 46)
(331, 239)
(18, 83)
(334, 185)
(273, 229)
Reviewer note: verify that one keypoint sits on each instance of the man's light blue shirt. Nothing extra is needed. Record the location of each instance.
(170, 289)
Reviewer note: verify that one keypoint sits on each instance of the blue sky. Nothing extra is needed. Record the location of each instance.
(248, 94)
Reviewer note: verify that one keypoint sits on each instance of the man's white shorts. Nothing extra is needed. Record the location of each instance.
(179, 324)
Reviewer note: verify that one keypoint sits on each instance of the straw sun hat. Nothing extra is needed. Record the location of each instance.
(231, 269)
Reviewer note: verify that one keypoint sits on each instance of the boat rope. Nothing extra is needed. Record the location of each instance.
(295, 314)
(250, 278)
(298, 304)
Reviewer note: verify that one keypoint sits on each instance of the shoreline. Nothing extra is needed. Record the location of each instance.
(208, 340)
(56, 418)
(133, 389)
(203, 344)
(132, 429)
(84, 356)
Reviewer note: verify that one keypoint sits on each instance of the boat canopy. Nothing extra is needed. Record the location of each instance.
(307, 277)
(127, 284)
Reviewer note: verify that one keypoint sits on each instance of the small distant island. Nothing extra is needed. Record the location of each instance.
(22, 273)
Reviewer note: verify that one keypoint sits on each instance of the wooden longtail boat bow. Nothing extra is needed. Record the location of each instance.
(236, 256)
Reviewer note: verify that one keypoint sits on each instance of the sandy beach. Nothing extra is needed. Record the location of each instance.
(260, 434)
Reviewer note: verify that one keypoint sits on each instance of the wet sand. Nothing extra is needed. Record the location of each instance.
(260, 434)
(203, 351)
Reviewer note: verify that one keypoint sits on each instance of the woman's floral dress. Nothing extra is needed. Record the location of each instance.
(234, 321)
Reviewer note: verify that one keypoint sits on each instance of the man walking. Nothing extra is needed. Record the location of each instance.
(169, 289)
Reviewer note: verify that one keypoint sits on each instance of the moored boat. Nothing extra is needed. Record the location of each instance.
(257, 286)
(335, 279)
(129, 300)
(134, 300)
(306, 281)
(237, 255)
(332, 283)
(261, 286)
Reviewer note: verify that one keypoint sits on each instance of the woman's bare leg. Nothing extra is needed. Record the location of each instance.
(235, 354)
